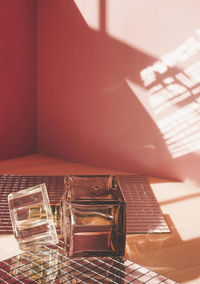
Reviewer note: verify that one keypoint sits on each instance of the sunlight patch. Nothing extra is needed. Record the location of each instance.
(90, 11)
(174, 96)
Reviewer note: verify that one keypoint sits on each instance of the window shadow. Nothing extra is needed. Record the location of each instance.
(98, 119)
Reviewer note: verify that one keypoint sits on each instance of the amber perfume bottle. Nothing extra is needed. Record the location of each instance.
(31, 217)
(93, 218)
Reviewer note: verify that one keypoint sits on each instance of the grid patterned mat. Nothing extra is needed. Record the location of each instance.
(143, 212)
(52, 266)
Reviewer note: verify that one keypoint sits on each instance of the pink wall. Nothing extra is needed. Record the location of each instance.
(17, 77)
(101, 97)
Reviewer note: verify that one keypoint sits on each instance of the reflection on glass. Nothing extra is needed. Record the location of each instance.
(40, 266)
(31, 217)
(93, 216)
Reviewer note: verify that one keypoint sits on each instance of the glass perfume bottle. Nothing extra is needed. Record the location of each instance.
(93, 216)
(31, 217)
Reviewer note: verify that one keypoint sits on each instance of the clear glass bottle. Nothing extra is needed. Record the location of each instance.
(31, 217)
(93, 216)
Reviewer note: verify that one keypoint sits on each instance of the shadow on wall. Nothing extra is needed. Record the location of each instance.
(93, 113)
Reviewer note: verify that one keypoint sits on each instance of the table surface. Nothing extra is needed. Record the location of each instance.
(175, 255)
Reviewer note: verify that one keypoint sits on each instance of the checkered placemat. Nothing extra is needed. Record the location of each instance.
(52, 266)
(143, 212)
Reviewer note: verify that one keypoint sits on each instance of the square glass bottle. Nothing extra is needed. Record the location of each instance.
(31, 217)
(93, 216)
